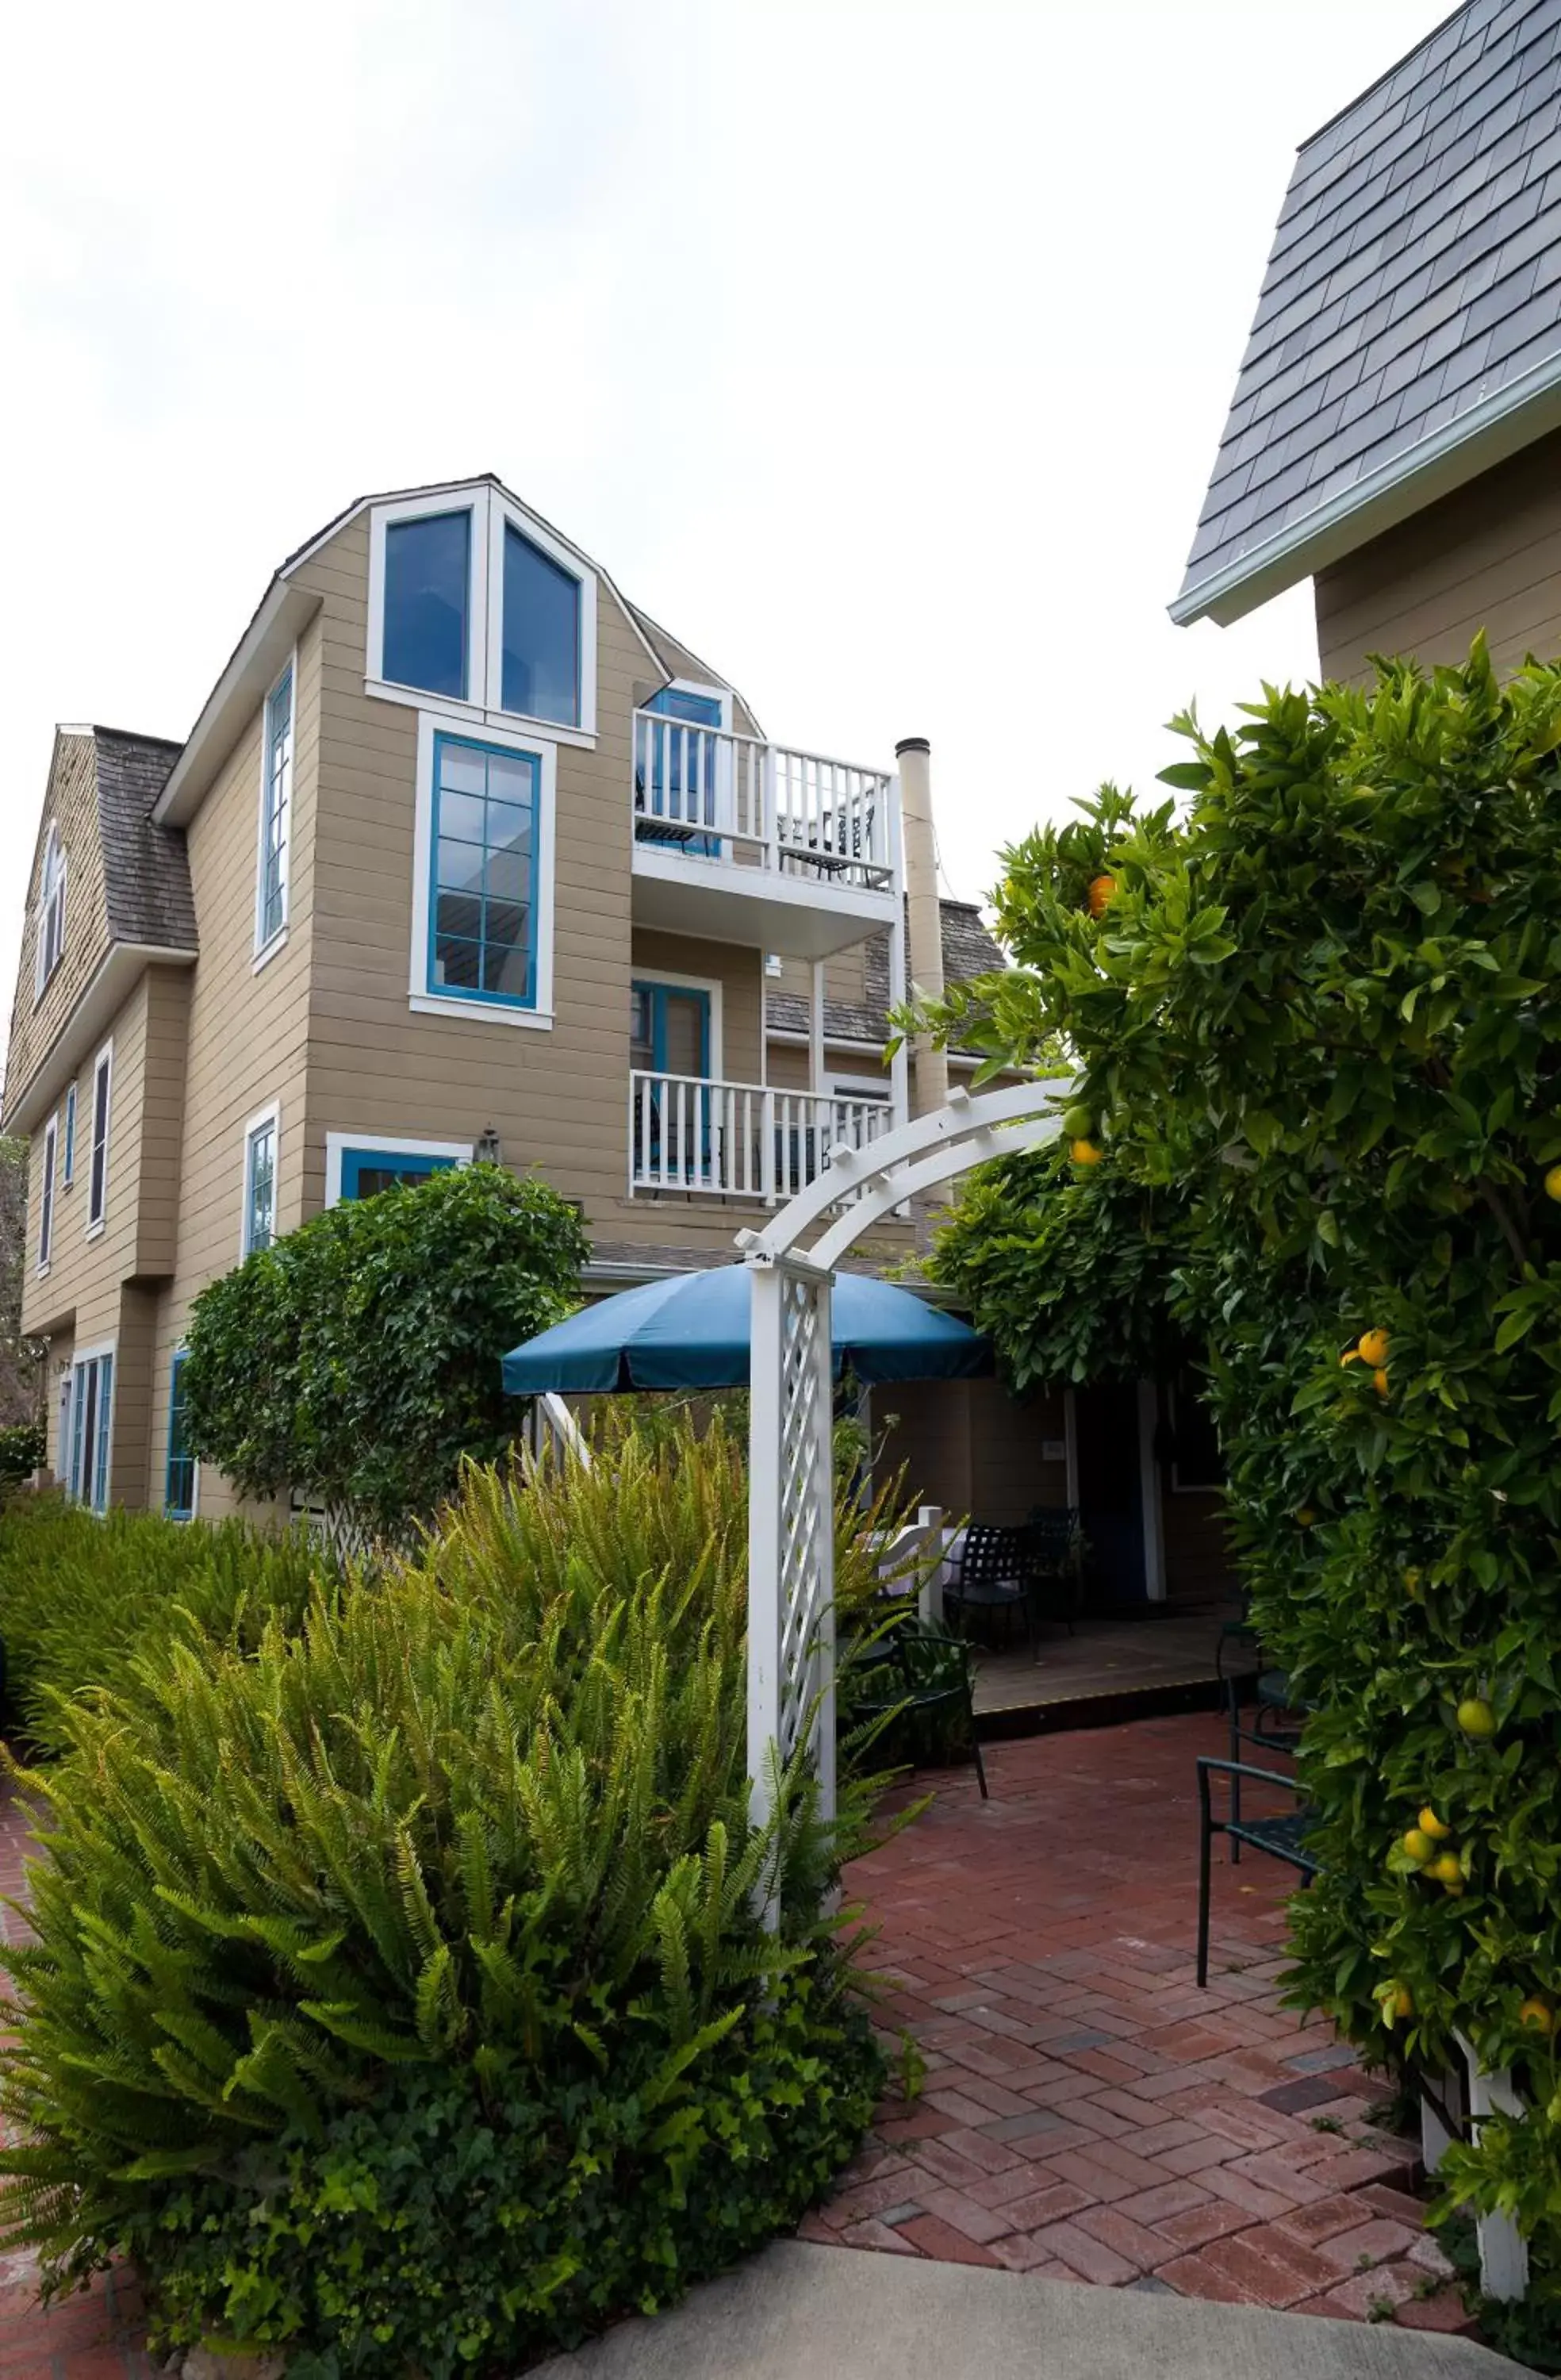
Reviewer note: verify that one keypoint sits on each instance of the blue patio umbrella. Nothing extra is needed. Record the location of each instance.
(691, 1333)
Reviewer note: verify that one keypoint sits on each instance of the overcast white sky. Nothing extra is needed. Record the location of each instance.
(877, 347)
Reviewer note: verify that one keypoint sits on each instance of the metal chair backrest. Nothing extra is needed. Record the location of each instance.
(991, 1555)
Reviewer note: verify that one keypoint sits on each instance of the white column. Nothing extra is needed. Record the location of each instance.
(1504, 2251)
(900, 1065)
(818, 1671)
(815, 1029)
(1149, 1493)
(764, 1529)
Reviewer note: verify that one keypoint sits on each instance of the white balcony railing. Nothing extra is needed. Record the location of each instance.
(709, 793)
(737, 1140)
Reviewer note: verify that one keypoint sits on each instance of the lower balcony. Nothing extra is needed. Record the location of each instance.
(692, 1135)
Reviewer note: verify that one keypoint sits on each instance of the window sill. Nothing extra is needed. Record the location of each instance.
(477, 717)
(43, 1271)
(95, 1231)
(263, 957)
(481, 1011)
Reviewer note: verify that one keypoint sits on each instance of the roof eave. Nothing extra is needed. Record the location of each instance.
(83, 1026)
(1471, 442)
(286, 611)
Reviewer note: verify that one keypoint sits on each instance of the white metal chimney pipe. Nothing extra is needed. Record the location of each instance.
(923, 913)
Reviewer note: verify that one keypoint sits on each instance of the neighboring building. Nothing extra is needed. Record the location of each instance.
(463, 854)
(1395, 429)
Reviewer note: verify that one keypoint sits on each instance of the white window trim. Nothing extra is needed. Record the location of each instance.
(97, 1223)
(43, 974)
(46, 1194)
(272, 1115)
(860, 1087)
(539, 1017)
(492, 512)
(81, 1357)
(71, 1110)
(678, 980)
(384, 1143)
(267, 946)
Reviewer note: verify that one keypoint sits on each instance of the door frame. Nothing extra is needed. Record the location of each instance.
(709, 987)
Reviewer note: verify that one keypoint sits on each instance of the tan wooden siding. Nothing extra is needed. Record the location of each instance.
(972, 1448)
(86, 1269)
(734, 966)
(71, 804)
(1488, 556)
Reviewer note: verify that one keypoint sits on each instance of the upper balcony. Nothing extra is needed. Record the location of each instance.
(746, 842)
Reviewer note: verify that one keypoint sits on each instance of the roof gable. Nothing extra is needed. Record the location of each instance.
(1409, 330)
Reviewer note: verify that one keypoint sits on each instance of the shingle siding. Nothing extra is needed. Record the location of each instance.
(1415, 274)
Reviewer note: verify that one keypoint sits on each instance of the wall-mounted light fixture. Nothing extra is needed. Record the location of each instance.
(489, 1149)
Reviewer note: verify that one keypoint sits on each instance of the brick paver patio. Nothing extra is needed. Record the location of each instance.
(1088, 2113)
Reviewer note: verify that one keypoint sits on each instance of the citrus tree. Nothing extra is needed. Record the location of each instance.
(1317, 1027)
(358, 1359)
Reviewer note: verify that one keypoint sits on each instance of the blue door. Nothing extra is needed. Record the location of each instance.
(670, 1034)
(678, 775)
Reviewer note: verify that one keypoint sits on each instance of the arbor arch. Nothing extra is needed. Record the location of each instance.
(791, 1484)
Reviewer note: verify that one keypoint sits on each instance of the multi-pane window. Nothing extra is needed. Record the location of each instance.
(46, 1194)
(69, 1168)
(259, 1186)
(97, 1187)
(51, 913)
(540, 651)
(178, 1493)
(428, 602)
(87, 1422)
(482, 925)
(276, 802)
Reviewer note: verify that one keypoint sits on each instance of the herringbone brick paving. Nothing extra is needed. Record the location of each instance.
(1087, 2113)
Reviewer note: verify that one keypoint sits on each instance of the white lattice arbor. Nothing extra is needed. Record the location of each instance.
(790, 1486)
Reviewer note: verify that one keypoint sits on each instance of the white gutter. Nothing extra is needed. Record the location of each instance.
(1485, 433)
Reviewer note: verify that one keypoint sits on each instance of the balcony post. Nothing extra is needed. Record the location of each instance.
(771, 822)
(816, 1029)
(767, 1146)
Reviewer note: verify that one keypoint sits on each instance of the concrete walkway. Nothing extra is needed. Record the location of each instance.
(802, 2312)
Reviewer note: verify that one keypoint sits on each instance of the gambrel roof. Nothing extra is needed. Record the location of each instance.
(1409, 332)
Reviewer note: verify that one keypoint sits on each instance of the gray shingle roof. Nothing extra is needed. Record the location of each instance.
(1414, 287)
(968, 950)
(146, 869)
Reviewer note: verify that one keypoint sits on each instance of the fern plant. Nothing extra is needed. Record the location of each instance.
(473, 1840)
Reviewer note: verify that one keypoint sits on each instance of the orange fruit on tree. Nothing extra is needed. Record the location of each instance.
(1306, 1516)
(1411, 1581)
(1084, 1152)
(1402, 2002)
(1535, 2016)
(1449, 1869)
(1553, 1182)
(1351, 1356)
(1372, 1348)
(1430, 1824)
(1102, 892)
(1379, 1382)
(1419, 1846)
(1476, 1718)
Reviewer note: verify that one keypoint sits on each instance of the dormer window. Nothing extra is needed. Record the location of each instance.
(475, 606)
(51, 913)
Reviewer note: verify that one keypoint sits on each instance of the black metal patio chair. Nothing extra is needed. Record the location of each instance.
(913, 1670)
(993, 1572)
(1283, 1837)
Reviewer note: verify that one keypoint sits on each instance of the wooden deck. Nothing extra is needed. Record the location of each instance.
(1110, 1669)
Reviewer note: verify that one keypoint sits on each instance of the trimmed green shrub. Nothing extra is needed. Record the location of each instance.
(84, 1597)
(358, 1359)
(400, 1996)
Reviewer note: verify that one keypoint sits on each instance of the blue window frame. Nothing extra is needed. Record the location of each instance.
(428, 602)
(259, 1186)
(366, 1172)
(482, 910)
(677, 776)
(69, 1167)
(540, 657)
(178, 1493)
(275, 804)
(91, 1407)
